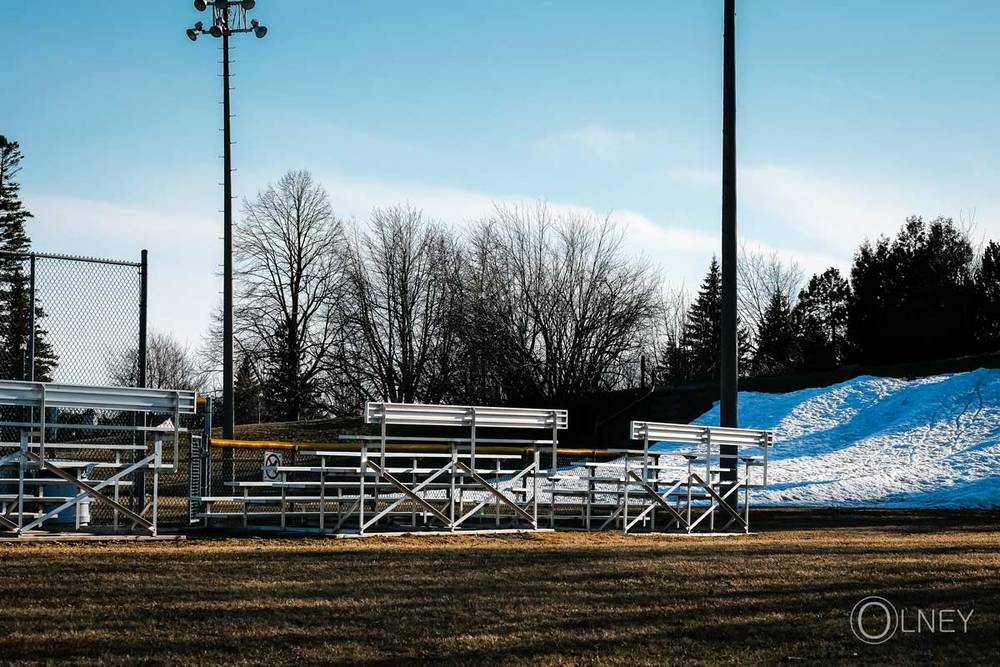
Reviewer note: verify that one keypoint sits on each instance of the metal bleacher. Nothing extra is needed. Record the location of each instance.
(678, 489)
(66, 448)
(464, 476)
(392, 482)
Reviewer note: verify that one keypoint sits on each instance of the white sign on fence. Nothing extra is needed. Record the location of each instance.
(271, 462)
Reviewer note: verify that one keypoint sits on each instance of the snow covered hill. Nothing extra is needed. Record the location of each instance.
(930, 442)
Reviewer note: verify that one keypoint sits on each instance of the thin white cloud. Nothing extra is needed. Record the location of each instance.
(668, 245)
(837, 214)
(810, 262)
(593, 141)
(354, 197)
(828, 215)
(91, 223)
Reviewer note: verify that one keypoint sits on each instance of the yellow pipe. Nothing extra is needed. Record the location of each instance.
(416, 448)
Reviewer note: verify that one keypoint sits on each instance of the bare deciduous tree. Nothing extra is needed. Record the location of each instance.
(289, 251)
(761, 275)
(669, 353)
(399, 345)
(559, 309)
(169, 365)
(530, 305)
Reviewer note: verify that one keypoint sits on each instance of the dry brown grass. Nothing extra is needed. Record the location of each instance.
(783, 595)
(304, 431)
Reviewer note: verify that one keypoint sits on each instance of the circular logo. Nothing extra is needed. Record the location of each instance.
(874, 620)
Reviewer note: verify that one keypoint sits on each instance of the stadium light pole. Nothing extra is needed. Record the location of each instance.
(729, 359)
(229, 17)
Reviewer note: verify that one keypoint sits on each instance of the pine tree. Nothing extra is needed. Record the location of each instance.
(289, 396)
(821, 314)
(777, 344)
(247, 397)
(15, 292)
(703, 329)
(674, 363)
(673, 360)
(914, 295)
(988, 298)
(702, 336)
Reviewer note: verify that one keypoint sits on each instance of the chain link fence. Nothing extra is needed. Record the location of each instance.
(73, 320)
(78, 320)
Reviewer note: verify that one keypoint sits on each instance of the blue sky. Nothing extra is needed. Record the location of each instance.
(852, 114)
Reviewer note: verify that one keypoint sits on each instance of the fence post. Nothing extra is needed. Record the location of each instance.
(31, 319)
(139, 478)
(143, 289)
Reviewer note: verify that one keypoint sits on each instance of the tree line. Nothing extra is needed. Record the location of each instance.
(527, 304)
(538, 306)
(926, 293)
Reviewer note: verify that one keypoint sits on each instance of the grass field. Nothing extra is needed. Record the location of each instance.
(783, 595)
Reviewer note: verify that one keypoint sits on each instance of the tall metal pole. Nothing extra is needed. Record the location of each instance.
(229, 17)
(228, 409)
(728, 351)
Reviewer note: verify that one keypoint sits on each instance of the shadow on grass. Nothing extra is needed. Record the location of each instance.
(784, 594)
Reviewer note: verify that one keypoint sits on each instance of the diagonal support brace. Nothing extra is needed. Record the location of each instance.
(718, 501)
(92, 491)
(406, 490)
(496, 492)
(419, 487)
(658, 501)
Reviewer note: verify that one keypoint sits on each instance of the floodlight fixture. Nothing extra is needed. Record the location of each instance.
(228, 18)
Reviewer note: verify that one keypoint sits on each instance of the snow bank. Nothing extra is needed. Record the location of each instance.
(930, 442)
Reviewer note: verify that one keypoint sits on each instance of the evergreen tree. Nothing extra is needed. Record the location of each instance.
(873, 281)
(702, 337)
(15, 290)
(247, 398)
(821, 314)
(988, 297)
(674, 363)
(777, 343)
(288, 394)
(914, 296)
(703, 329)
